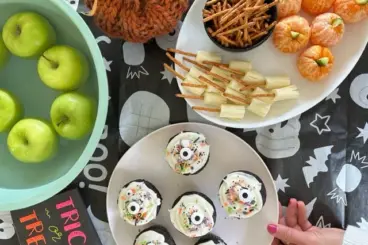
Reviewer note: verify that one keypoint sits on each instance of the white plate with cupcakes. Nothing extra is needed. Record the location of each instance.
(191, 184)
(254, 63)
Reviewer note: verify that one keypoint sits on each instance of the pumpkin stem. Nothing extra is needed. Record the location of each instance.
(323, 61)
(294, 34)
(336, 22)
(361, 2)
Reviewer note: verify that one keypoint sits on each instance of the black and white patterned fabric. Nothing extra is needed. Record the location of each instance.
(319, 157)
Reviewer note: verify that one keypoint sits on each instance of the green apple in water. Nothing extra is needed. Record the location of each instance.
(4, 53)
(63, 68)
(73, 115)
(28, 34)
(32, 141)
(10, 110)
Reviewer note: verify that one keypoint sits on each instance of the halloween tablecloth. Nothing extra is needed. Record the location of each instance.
(319, 157)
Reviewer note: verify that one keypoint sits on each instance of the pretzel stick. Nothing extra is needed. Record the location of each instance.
(252, 86)
(189, 96)
(200, 108)
(181, 52)
(239, 80)
(227, 40)
(177, 62)
(214, 63)
(218, 77)
(236, 7)
(211, 17)
(230, 23)
(239, 73)
(237, 98)
(262, 95)
(181, 77)
(203, 67)
(205, 80)
(192, 85)
(258, 35)
(236, 29)
(209, 3)
(271, 26)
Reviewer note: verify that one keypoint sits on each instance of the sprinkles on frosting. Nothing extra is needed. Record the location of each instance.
(138, 204)
(240, 195)
(187, 153)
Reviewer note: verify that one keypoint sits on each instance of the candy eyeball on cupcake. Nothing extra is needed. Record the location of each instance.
(193, 214)
(242, 194)
(187, 153)
(139, 202)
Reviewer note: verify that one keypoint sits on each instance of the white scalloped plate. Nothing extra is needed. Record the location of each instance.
(269, 61)
(145, 160)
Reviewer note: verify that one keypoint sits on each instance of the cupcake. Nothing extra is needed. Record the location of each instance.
(242, 194)
(139, 202)
(193, 214)
(188, 153)
(154, 235)
(210, 240)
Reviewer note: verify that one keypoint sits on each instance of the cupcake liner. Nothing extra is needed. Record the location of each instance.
(211, 237)
(161, 230)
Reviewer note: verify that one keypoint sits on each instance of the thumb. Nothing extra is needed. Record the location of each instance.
(288, 235)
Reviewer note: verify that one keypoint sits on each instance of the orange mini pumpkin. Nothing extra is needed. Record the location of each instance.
(291, 34)
(327, 30)
(351, 11)
(287, 8)
(315, 63)
(316, 7)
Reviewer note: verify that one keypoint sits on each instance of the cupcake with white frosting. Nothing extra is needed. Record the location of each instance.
(242, 194)
(193, 214)
(187, 153)
(211, 240)
(155, 235)
(139, 202)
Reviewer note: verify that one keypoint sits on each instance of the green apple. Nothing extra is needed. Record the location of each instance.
(73, 115)
(32, 141)
(10, 110)
(4, 53)
(28, 34)
(63, 68)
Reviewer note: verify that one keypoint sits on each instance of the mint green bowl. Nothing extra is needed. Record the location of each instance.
(23, 185)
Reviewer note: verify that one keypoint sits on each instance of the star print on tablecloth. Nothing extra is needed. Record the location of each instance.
(334, 96)
(281, 183)
(315, 124)
(363, 224)
(107, 64)
(167, 75)
(363, 133)
(321, 223)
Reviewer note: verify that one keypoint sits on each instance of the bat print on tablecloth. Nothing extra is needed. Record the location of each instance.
(280, 140)
(133, 56)
(349, 177)
(334, 96)
(320, 123)
(359, 90)
(142, 113)
(363, 133)
(7, 230)
(317, 163)
(107, 40)
(102, 228)
(169, 40)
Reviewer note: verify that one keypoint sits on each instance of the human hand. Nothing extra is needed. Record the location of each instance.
(295, 228)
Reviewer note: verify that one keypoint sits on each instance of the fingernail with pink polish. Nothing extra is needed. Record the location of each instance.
(272, 229)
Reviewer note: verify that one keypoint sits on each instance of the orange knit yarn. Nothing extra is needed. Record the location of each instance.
(138, 20)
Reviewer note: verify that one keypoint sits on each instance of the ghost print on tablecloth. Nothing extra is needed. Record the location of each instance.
(349, 177)
(169, 40)
(142, 113)
(133, 56)
(280, 140)
(7, 230)
(359, 91)
(317, 163)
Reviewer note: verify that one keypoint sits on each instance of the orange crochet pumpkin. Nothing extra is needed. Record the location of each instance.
(137, 20)
(315, 63)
